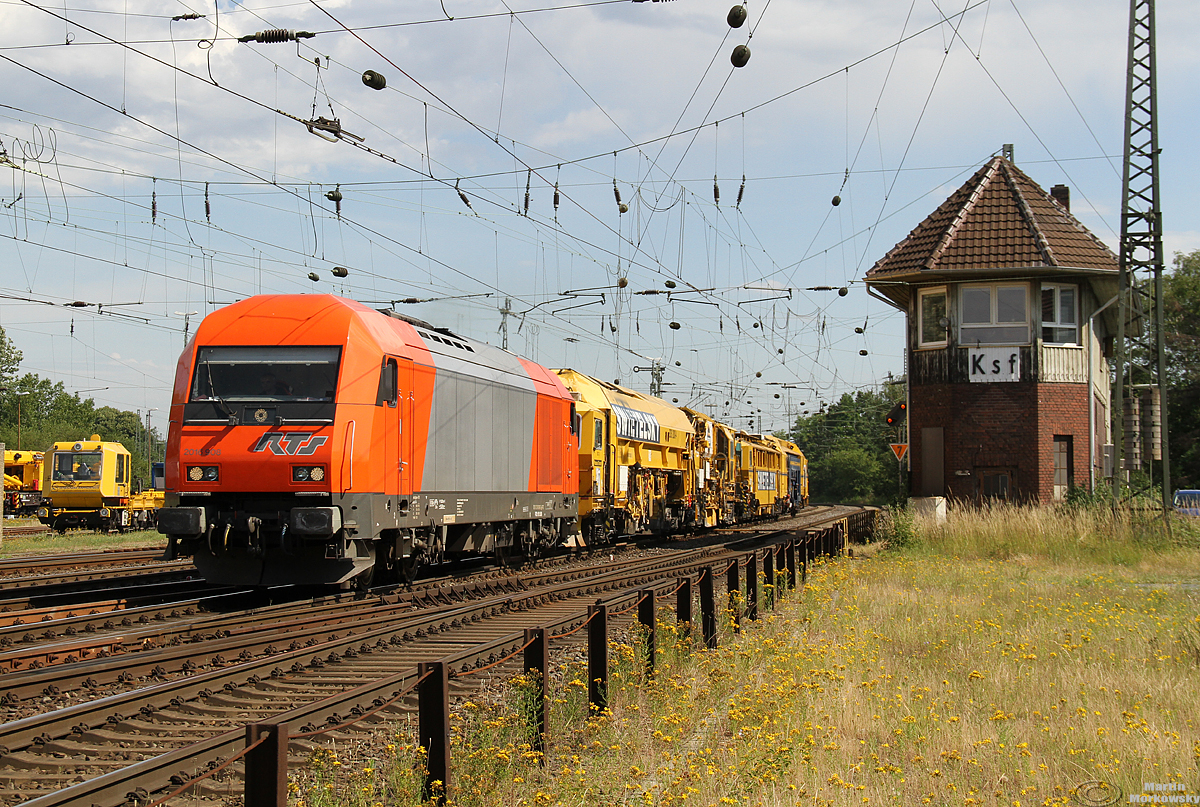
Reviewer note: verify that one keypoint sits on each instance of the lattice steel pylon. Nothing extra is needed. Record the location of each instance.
(1140, 344)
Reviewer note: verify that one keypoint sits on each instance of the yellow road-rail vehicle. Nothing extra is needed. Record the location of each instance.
(634, 455)
(89, 484)
(22, 482)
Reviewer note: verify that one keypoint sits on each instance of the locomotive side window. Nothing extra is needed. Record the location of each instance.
(388, 384)
(599, 440)
(278, 373)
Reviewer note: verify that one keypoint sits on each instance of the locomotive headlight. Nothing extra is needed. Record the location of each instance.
(308, 473)
(202, 473)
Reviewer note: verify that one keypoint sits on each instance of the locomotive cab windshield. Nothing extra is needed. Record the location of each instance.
(279, 373)
(81, 465)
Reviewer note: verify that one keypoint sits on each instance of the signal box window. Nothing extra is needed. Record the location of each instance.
(995, 483)
(931, 318)
(996, 314)
(279, 373)
(1060, 322)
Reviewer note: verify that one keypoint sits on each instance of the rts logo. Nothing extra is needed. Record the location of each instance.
(296, 444)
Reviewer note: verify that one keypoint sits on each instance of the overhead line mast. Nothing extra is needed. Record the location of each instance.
(1140, 307)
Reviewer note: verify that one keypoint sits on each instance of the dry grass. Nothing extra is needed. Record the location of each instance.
(984, 664)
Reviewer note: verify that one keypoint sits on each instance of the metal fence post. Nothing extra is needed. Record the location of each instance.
(537, 661)
(683, 607)
(598, 656)
(733, 587)
(266, 766)
(708, 608)
(769, 577)
(791, 563)
(647, 607)
(752, 586)
(433, 719)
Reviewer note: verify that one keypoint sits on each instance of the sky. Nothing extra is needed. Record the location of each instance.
(154, 168)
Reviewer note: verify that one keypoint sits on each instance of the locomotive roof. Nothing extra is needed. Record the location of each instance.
(304, 319)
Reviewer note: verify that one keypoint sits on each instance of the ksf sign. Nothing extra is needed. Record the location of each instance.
(992, 364)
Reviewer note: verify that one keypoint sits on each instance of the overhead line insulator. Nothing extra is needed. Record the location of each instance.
(273, 35)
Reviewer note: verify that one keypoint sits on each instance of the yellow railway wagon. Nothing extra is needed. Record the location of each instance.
(634, 452)
(797, 472)
(713, 463)
(88, 484)
(761, 477)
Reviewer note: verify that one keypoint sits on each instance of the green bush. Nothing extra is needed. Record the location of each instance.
(894, 526)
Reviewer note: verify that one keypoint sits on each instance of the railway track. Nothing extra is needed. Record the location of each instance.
(83, 562)
(154, 702)
(24, 530)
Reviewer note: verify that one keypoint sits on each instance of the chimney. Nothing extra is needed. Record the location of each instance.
(1062, 195)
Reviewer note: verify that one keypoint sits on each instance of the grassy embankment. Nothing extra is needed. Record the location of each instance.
(75, 541)
(1005, 658)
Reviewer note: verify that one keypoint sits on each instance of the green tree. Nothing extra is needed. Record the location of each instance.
(849, 459)
(36, 412)
(10, 359)
(1181, 323)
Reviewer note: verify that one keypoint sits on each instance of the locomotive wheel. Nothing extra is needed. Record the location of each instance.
(407, 569)
(363, 582)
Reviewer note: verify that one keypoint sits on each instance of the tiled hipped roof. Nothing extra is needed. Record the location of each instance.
(999, 219)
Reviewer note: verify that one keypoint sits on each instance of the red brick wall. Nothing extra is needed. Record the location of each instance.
(1062, 409)
(1000, 425)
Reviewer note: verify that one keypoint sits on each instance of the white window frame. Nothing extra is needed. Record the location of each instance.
(921, 295)
(1057, 289)
(968, 332)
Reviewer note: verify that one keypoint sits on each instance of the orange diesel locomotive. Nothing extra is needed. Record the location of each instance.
(313, 440)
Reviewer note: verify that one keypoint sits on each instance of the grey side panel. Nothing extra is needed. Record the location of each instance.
(480, 437)
(485, 429)
(466, 438)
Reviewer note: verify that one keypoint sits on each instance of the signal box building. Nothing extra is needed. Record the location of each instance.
(1009, 307)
